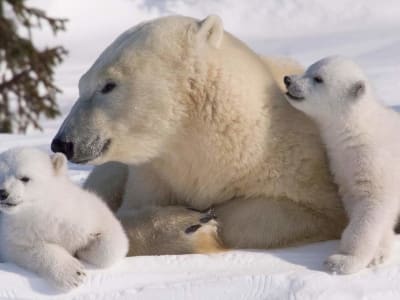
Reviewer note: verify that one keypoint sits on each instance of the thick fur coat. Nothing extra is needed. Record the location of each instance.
(186, 115)
(361, 137)
(48, 223)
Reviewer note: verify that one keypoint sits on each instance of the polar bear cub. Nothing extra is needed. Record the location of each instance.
(362, 141)
(47, 220)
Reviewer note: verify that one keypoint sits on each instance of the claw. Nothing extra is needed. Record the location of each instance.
(203, 211)
(206, 219)
(210, 215)
(192, 228)
(198, 210)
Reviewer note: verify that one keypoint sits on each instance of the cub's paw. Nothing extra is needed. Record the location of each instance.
(344, 264)
(69, 275)
(383, 254)
(379, 258)
(94, 236)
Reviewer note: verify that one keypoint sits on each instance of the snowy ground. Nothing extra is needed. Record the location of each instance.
(293, 273)
(365, 30)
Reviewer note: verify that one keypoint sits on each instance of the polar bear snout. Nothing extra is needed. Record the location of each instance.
(8, 201)
(80, 138)
(294, 90)
(60, 145)
(3, 195)
(80, 151)
(287, 80)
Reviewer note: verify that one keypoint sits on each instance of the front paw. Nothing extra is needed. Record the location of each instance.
(344, 264)
(172, 230)
(203, 236)
(69, 275)
(381, 256)
(94, 236)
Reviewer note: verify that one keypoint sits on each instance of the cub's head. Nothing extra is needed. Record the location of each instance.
(328, 88)
(26, 174)
(130, 101)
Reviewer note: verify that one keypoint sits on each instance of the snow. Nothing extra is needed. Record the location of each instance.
(293, 273)
(365, 30)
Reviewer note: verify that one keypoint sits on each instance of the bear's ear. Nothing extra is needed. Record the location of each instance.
(211, 30)
(357, 89)
(59, 162)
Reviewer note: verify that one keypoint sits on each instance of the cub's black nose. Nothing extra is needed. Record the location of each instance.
(287, 80)
(59, 145)
(3, 195)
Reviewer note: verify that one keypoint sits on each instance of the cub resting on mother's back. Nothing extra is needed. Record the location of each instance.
(361, 137)
(195, 118)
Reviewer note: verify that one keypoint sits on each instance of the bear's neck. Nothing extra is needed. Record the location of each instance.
(233, 109)
(356, 121)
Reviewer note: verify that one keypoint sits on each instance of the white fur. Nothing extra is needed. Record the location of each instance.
(361, 137)
(52, 219)
(201, 121)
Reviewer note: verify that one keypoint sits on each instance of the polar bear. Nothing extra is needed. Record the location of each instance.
(183, 114)
(47, 220)
(361, 137)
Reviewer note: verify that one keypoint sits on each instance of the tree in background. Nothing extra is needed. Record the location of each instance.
(27, 90)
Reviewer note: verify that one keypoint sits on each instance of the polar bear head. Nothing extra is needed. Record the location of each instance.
(327, 89)
(26, 175)
(130, 101)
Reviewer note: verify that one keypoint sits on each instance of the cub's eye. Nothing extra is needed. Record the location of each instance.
(318, 79)
(25, 179)
(108, 87)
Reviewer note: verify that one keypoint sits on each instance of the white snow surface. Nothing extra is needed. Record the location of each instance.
(293, 273)
(367, 31)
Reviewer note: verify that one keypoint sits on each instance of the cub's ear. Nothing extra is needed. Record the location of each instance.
(210, 30)
(59, 162)
(358, 89)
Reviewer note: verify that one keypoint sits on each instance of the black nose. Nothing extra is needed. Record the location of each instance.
(59, 145)
(287, 80)
(3, 195)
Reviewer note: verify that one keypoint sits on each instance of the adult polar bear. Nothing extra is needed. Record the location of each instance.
(202, 122)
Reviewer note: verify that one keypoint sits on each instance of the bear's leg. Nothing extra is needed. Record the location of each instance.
(108, 182)
(267, 223)
(106, 247)
(52, 262)
(171, 230)
(125, 187)
(369, 222)
(152, 226)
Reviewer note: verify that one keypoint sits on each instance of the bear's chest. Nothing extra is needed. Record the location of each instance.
(35, 227)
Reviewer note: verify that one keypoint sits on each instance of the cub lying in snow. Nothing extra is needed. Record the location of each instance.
(47, 220)
(363, 145)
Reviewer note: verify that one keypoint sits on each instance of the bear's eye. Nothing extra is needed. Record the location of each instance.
(108, 87)
(318, 79)
(25, 179)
